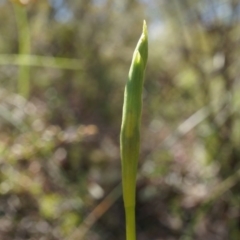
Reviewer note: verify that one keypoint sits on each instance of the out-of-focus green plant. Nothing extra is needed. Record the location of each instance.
(130, 130)
(24, 47)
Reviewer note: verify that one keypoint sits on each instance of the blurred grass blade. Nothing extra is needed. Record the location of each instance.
(40, 61)
(24, 48)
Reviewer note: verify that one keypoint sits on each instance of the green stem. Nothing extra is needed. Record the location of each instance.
(24, 48)
(130, 223)
(130, 130)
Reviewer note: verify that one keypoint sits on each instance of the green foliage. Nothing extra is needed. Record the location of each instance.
(59, 145)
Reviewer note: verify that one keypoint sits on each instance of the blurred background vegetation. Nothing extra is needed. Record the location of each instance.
(63, 67)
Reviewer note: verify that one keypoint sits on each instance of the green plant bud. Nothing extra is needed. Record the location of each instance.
(130, 130)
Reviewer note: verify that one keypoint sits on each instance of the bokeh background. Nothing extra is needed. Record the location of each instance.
(63, 67)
